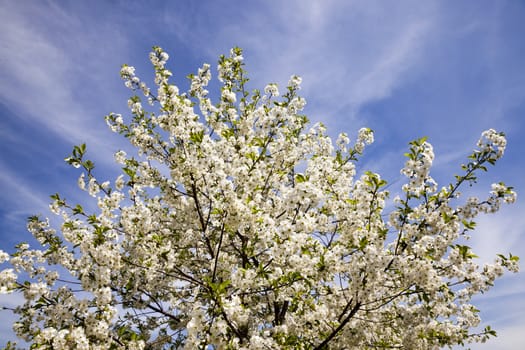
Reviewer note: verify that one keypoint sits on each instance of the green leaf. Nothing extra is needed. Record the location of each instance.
(130, 172)
(363, 242)
(465, 252)
(252, 156)
(227, 133)
(469, 225)
(78, 209)
(489, 331)
(338, 157)
(89, 165)
(300, 178)
(197, 137)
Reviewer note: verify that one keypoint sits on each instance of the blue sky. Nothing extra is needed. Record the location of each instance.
(443, 69)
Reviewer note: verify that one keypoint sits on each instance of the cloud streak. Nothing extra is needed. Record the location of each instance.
(298, 38)
(51, 65)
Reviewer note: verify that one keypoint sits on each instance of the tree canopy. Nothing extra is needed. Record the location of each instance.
(238, 225)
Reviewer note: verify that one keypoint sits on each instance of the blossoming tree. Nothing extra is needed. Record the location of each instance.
(238, 226)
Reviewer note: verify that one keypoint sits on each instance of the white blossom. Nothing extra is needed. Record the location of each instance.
(120, 157)
(3, 256)
(81, 182)
(271, 89)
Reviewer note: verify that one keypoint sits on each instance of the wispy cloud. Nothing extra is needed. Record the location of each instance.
(499, 233)
(23, 197)
(503, 312)
(52, 65)
(8, 318)
(299, 38)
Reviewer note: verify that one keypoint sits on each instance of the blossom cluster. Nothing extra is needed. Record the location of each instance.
(236, 225)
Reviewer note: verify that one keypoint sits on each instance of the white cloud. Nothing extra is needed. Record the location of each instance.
(499, 233)
(386, 71)
(501, 307)
(8, 317)
(21, 196)
(345, 57)
(509, 337)
(51, 64)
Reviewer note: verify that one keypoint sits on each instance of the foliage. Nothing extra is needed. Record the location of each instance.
(238, 226)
